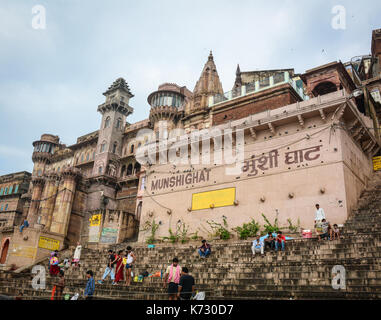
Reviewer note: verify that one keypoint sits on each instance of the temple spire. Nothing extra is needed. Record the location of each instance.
(238, 79)
(208, 84)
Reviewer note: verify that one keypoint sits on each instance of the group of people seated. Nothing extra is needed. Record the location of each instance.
(324, 230)
(271, 241)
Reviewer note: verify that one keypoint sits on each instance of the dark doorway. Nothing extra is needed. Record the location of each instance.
(4, 252)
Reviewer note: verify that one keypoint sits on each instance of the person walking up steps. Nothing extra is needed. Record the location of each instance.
(172, 277)
(110, 268)
(130, 260)
(119, 273)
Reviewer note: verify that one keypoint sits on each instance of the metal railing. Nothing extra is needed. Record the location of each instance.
(257, 86)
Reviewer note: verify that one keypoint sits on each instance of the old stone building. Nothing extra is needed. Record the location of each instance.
(306, 138)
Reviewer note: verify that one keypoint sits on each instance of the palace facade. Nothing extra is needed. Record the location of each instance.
(305, 139)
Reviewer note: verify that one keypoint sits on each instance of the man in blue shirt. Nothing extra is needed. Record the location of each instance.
(90, 286)
(258, 246)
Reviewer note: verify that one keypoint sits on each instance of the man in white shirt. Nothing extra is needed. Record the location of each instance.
(258, 246)
(319, 216)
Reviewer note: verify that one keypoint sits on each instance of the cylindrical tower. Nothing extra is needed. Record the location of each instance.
(167, 105)
(42, 153)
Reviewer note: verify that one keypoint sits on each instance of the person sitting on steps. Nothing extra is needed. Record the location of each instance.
(335, 232)
(325, 226)
(280, 241)
(270, 241)
(204, 250)
(258, 246)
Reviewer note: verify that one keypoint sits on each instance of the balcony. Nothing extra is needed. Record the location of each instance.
(257, 86)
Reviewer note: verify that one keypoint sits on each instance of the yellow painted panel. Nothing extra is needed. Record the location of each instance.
(377, 163)
(95, 220)
(23, 251)
(48, 243)
(216, 198)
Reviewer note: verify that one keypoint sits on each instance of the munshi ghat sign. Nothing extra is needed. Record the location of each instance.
(251, 167)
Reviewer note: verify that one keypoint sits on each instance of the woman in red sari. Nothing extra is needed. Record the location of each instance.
(119, 271)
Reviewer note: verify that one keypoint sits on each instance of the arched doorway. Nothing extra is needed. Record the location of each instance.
(4, 252)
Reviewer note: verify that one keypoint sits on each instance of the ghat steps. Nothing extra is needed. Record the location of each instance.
(303, 271)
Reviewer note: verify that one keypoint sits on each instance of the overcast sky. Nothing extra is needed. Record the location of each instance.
(52, 79)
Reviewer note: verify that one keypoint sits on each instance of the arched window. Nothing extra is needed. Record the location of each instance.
(324, 88)
(118, 123)
(123, 171)
(137, 167)
(114, 147)
(100, 169)
(132, 148)
(6, 207)
(107, 122)
(82, 158)
(58, 170)
(93, 155)
(103, 147)
(129, 169)
(16, 188)
(1, 191)
(88, 157)
(10, 189)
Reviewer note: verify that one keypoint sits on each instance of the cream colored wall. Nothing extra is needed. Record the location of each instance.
(304, 180)
(357, 167)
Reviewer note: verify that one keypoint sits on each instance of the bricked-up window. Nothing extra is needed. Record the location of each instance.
(107, 122)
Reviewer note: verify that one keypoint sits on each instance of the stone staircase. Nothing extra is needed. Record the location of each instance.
(303, 271)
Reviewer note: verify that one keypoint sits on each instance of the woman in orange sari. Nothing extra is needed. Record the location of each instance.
(119, 271)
